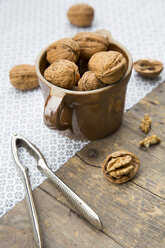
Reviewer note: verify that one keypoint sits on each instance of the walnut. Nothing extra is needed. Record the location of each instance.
(62, 73)
(148, 68)
(23, 77)
(120, 166)
(109, 66)
(81, 15)
(91, 43)
(63, 49)
(154, 139)
(146, 124)
(89, 82)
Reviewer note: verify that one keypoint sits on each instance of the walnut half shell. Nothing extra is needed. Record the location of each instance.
(120, 166)
(148, 68)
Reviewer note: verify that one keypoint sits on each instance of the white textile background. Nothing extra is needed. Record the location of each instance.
(26, 27)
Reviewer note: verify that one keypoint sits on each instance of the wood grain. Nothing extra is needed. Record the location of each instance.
(60, 226)
(133, 214)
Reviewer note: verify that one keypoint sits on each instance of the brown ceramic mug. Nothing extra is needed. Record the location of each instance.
(85, 114)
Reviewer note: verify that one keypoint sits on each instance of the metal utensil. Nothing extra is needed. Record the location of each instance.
(80, 205)
(29, 197)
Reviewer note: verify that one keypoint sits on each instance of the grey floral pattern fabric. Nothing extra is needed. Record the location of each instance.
(26, 27)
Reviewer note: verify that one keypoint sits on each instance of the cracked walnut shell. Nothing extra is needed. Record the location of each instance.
(91, 43)
(109, 66)
(89, 82)
(148, 68)
(81, 15)
(23, 77)
(148, 141)
(120, 166)
(62, 73)
(145, 124)
(63, 49)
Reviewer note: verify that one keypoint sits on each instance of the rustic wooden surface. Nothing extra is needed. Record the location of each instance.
(133, 214)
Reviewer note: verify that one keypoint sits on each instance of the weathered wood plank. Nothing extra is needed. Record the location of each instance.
(60, 227)
(131, 215)
(152, 170)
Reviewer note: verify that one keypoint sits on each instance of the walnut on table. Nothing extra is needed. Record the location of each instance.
(120, 166)
(23, 77)
(153, 140)
(81, 15)
(146, 123)
(148, 68)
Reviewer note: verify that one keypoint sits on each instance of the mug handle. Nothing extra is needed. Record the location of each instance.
(53, 110)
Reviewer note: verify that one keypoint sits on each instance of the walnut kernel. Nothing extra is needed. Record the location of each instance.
(148, 141)
(63, 49)
(120, 166)
(89, 82)
(62, 73)
(146, 123)
(109, 66)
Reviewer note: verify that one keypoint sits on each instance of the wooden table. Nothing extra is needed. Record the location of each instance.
(133, 214)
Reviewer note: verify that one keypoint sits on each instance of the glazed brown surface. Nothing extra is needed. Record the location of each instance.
(89, 116)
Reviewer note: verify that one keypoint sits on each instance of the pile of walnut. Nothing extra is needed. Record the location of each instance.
(86, 55)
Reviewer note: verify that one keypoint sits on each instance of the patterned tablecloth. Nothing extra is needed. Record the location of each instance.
(26, 27)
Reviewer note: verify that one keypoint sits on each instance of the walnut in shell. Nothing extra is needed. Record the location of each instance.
(145, 124)
(148, 68)
(62, 73)
(91, 43)
(63, 49)
(89, 82)
(81, 15)
(23, 77)
(148, 141)
(109, 66)
(120, 166)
